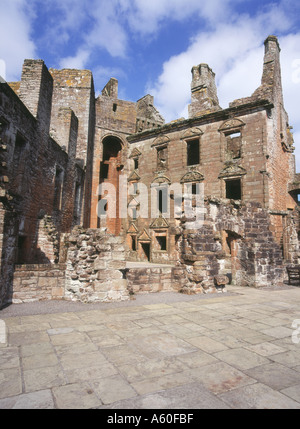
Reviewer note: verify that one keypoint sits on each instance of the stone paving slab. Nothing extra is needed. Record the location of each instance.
(41, 399)
(258, 396)
(275, 375)
(190, 396)
(161, 351)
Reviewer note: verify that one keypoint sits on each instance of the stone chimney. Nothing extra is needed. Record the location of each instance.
(271, 87)
(204, 91)
(271, 77)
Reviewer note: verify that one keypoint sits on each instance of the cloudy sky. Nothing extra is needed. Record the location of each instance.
(150, 46)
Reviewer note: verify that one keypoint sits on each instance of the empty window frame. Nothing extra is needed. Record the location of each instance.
(133, 242)
(233, 189)
(135, 163)
(193, 152)
(162, 200)
(134, 213)
(135, 188)
(233, 144)
(162, 242)
(162, 157)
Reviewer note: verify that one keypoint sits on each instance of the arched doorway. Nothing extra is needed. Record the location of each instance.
(110, 168)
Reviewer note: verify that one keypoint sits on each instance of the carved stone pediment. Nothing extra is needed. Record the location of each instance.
(159, 223)
(135, 153)
(231, 124)
(232, 170)
(192, 176)
(133, 177)
(161, 140)
(133, 203)
(144, 236)
(132, 229)
(191, 132)
(160, 178)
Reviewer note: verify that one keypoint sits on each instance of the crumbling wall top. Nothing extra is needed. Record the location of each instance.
(72, 78)
(111, 88)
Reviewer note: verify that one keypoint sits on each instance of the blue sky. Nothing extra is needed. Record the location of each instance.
(150, 46)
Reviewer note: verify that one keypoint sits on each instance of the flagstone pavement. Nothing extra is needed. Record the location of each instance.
(236, 350)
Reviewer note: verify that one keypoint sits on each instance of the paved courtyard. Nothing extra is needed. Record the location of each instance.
(234, 350)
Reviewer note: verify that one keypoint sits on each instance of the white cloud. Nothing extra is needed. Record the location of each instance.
(229, 49)
(145, 17)
(235, 53)
(290, 65)
(15, 39)
(99, 26)
(78, 61)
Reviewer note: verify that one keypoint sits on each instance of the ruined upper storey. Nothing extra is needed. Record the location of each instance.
(143, 112)
(204, 98)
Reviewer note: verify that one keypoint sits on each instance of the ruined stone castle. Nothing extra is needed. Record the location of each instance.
(101, 199)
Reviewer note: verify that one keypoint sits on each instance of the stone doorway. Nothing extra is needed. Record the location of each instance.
(110, 169)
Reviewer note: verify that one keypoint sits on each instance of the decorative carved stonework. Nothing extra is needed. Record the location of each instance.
(231, 124)
(232, 171)
(135, 153)
(134, 203)
(159, 223)
(132, 229)
(133, 177)
(192, 176)
(144, 236)
(161, 178)
(160, 140)
(193, 132)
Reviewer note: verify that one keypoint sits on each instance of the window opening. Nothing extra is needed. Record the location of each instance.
(162, 200)
(162, 242)
(133, 243)
(193, 156)
(162, 157)
(146, 250)
(134, 213)
(135, 188)
(233, 144)
(233, 189)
